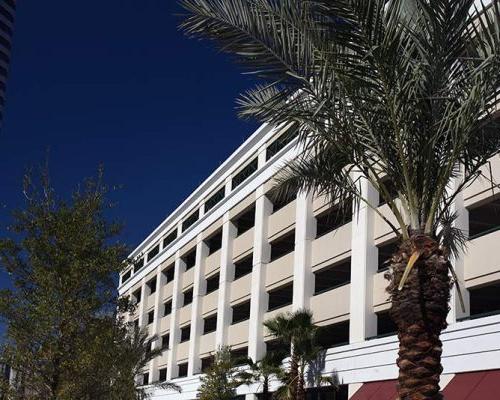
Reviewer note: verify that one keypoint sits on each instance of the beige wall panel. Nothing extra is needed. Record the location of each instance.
(382, 307)
(212, 262)
(241, 206)
(207, 343)
(136, 287)
(150, 302)
(151, 275)
(333, 246)
(243, 243)
(480, 260)
(320, 204)
(483, 280)
(280, 269)
(385, 239)
(210, 302)
(380, 296)
(212, 229)
(167, 262)
(162, 360)
(182, 352)
(238, 333)
(241, 288)
(164, 323)
(185, 314)
(481, 189)
(381, 228)
(167, 291)
(332, 305)
(188, 247)
(187, 278)
(282, 219)
(268, 185)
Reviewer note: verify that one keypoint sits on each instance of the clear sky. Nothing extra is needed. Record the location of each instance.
(114, 81)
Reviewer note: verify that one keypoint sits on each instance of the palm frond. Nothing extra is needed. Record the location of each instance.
(258, 33)
(404, 91)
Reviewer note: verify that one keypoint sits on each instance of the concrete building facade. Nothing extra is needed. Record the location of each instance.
(228, 259)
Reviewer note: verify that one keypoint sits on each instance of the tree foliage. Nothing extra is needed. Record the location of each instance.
(400, 94)
(66, 337)
(401, 91)
(264, 370)
(297, 332)
(221, 379)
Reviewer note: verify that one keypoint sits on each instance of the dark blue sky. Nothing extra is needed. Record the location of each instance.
(115, 82)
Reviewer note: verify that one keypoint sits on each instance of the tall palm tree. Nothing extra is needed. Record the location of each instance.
(297, 331)
(400, 91)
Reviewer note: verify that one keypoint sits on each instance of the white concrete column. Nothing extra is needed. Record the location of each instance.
(180, 267)
(227, 186)
(225, 278)
(160, 282)
(305, 232)
(127, 315)
(201, 208)
(462, 222)
(199, 289)
(364, 260)
(261, 256)
(261, 157)
(142, 304)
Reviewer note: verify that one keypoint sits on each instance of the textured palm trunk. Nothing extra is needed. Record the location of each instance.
(419, 311)
(294, 375)
(265, 389)
(301, 391)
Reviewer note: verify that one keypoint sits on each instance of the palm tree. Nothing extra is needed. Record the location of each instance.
(297, 331)
(133, 353)
(262, 371)
(400, 91)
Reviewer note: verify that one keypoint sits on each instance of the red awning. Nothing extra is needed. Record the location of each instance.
(380, 390)
(481, 385)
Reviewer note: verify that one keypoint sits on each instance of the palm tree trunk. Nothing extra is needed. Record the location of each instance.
(265, 389)
(294, 375)
(419, 311)
(301, 391)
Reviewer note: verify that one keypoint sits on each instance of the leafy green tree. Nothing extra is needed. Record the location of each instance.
(399, 95)
(222, 378)
(65, 336)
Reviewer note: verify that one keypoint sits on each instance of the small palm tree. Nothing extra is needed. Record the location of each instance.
(297, 331)
(134, 352)
(400, 91)
(264, 370)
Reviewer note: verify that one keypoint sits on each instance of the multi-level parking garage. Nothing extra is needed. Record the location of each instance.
(228, 258)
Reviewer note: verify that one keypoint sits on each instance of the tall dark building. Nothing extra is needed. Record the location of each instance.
(7, 12)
